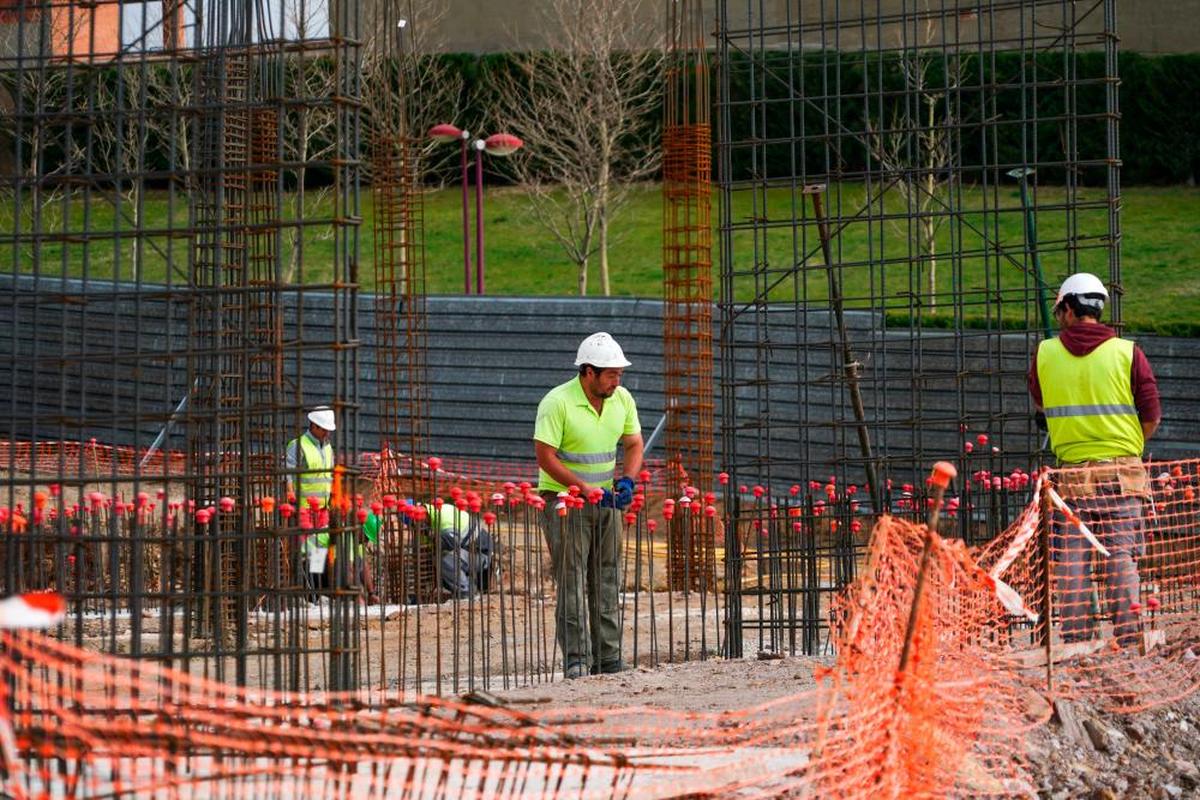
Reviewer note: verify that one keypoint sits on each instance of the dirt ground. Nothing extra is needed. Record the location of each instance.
(1152, 754)
(1093, 754)
(712, 685)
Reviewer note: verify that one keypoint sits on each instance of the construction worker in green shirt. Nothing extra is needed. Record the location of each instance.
(1101, 404)
(579, 424)
(465, 548)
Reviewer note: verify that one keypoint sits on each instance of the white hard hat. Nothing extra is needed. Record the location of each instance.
(322, 417)
(1087, 287)
(601, 351)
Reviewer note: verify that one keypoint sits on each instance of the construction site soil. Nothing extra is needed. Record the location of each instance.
(1084, 751)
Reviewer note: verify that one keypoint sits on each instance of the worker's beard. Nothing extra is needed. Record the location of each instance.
(593, 389)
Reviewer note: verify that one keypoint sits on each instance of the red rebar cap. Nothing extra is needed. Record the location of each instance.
(943, 473)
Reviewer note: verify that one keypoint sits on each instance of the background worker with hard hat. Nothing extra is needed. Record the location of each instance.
(1101, 404)
(579, 424)
(309, 458)
(310, 464)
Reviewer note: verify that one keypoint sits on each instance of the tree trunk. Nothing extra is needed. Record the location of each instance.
(602, 221)
(931, 249)
(929, 229)
(301, 144)
(583, 269)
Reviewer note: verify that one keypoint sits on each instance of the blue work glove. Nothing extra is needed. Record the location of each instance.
(608, 501)
(623, 493)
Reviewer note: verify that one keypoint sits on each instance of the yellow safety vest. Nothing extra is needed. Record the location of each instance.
(1088, 400)
(316, 477)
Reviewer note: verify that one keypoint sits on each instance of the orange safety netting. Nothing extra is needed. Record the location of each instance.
(90, 459)
(94, 459)
(938, 717)
(1122, 541)
(946, 659)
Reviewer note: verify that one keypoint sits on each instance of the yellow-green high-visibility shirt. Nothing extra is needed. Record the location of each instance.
(449, 518)
(1089, 404)
(586, 441)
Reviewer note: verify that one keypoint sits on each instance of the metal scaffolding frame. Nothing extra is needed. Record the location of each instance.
(153, 157)
(903, 184)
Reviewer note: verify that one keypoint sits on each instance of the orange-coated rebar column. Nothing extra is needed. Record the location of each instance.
(688, 286)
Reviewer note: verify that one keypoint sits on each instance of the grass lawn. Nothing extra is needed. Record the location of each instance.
(1160, 227)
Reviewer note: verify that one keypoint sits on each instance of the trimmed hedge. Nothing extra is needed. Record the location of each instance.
(1159, 113)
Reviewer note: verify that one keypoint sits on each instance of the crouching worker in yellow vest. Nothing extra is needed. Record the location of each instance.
(1101, 403)
(466, 549)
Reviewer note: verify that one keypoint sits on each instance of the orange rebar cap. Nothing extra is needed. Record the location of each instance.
(943, 473)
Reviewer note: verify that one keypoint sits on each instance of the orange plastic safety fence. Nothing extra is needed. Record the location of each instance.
(915, 679)
(89, 459)
(93, 459)
(91, 725)
(1122, 541)
(945, 655)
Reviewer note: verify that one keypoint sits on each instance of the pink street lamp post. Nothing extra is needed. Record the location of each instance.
(498, 144)
(449, 133)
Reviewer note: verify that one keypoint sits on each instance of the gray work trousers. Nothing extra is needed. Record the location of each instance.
(585, 550)
(1116, 521)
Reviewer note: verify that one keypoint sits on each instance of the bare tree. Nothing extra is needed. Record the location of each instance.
(433, 89)
(915, 148)
(37, 105)
(309, 123)
(587, 110)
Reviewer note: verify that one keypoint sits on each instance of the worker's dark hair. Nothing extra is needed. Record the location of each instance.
(1084, 305)
(583, 368)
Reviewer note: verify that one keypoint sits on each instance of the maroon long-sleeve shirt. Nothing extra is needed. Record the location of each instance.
(1083, 339)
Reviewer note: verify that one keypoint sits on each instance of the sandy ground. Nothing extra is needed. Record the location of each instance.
(712, 685)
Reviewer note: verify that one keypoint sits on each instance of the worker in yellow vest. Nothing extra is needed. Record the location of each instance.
(579, 425)
(309, 461)
(1101, 404)
(309, 458)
